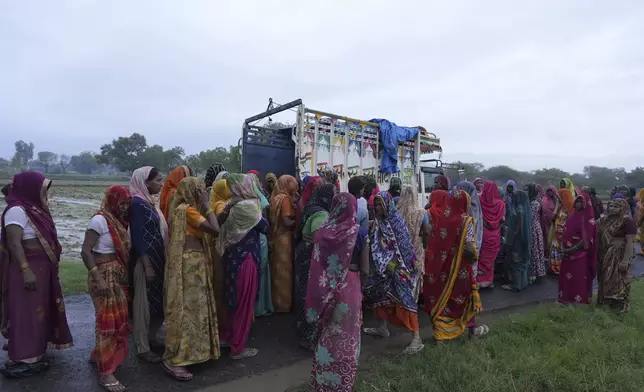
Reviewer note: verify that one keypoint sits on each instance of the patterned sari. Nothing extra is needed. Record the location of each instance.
(334, 300)
(493, 213)
(579, 267)
(112, 324)
(314, 215)
(390, 286)
(563, 210)
(451, 292)
(189, 295)
(519, 256)
(281, 243)
(614, 283)
(219, 196)
(413, 216)
(170, 186)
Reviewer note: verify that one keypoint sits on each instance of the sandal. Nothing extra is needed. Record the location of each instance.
(178, 372)
(479, 331)
(414, 347)
(379, 332)
(247, 353)
(113, 386)
(509, 287)
(150, 357)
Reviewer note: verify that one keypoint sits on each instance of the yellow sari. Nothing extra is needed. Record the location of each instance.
(188, 301)
(219, 196)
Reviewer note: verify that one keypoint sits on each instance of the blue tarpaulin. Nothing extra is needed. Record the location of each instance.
(390, 135)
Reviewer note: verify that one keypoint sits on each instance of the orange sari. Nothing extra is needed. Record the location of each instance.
(281, 243)
(170, 187)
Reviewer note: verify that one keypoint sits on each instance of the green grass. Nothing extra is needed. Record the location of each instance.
(73, 277)
(549, 349)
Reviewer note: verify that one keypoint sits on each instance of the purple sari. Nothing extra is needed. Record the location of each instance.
(334, 299)
(32, 320)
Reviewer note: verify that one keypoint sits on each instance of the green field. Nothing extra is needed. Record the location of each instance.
(73, 277)
(552, 348)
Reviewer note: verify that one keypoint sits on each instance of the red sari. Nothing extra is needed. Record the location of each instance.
(451, 292)
(493, 213)
(578, 268)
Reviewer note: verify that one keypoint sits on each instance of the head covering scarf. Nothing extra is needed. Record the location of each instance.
(139, 189)
(257, 186)
(612, 222)
(567, 199)
(570, 186)
(170, 187)
(286, 188)
(476, 182)
(212, 173)
(442, 182)
(25, 191)
(508, 195)
(475, 209)
(222, 175)
(332, 254)
(255, 172)
(413, 216)
(271, 182)
(395, 186)
(492, 207)
(533, 191)
(523, 207)
(309, 183)
(330, 176)
(581, 225)
(320, 200)
(439, 199)
(243, 216)
(219, 196)
(111, 210)
(393, 262)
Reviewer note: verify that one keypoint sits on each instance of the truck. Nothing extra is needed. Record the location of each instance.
(318, 140)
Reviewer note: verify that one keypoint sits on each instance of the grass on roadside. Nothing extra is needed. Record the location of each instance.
(73, 277)
(552, 348)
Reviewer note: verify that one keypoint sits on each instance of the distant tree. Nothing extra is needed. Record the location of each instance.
(47, 159)
(234, 159)
(124, 152)
(85, 162)
(4, 164)
(636, 177)
(173, 158)
(24, 152)
(472, 170)
(194, 162)
(547, 176)
(502, 174)
(64, 162)
(152, 156)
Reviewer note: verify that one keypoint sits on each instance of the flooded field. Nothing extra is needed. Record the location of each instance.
(72, 206)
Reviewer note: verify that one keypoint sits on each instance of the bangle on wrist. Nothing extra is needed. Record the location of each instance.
(24, 266)
(92, 270)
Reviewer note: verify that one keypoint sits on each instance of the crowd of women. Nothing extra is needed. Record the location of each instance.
(207, 257)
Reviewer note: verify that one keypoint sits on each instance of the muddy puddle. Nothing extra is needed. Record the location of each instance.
(72, 207)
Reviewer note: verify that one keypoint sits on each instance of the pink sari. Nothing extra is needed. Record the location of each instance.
(578, 268)
(493, 213)
(334, 299)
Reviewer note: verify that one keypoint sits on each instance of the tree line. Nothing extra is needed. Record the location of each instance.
(124, 154)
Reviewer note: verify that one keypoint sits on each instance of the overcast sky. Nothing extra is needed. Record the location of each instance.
(549, 83)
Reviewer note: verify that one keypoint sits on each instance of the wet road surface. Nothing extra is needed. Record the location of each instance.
(274, 337)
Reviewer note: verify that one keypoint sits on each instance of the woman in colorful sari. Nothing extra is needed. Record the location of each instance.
(189, 296)
(219, 197)
(451, 293)
(282, 214)
(549, 203)
(395, 188)
(565, 207)
(598, 205)
(264, 303)
(106, 250)
(538, 267)
(510, 188)
(418, 226)
(270, 182)
(479, 183)
(239, 244)
(390, 287)
(616, 242)
(32, 316)
(309, 183)
(579, 265)
(519, 258)
(475, 212)
(170, 187)
(441, 182)
(334, 299)
(149, 233)
(493, 213)
(314, 215)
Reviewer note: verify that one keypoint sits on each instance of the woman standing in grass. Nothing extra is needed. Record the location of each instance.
(239, 244)
(579, 265)
(170, 187)
(451, 293)
(32, 309)
(616, 243)
(282, 219)
(390, 287)
(315, 213)
(190, 312)
(149, 233)
(564, 209)
(106, 250)
(334, 299)
(493, 213)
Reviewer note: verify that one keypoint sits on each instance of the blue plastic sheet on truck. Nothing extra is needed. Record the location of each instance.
(390, 136)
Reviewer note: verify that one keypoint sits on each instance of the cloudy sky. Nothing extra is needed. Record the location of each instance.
(547, 83)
